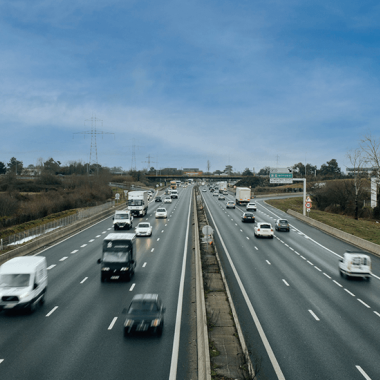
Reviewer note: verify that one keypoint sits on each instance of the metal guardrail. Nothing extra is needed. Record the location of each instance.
(25, 236)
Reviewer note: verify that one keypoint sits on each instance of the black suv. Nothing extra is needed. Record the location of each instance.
(145, 314)
(158, 199)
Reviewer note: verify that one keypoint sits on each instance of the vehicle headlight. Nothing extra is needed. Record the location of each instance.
(124, 268)
(128, 323)
(155, 322)
(105, 268)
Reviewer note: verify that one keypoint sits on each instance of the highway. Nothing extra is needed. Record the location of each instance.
(300, 319)
(78, 332)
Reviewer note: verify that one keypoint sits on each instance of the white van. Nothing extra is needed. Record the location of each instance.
(23, 283)
(355, 264)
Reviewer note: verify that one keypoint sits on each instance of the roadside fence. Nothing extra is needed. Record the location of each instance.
(25, 236)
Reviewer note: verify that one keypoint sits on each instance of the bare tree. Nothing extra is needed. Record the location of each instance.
(358, 162)
(371, 148)
(208, 166)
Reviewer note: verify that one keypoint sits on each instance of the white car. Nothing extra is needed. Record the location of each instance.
(264, 229)
(144, 229)
(230, 204)
(355, 264)
(251, 206)
(215, 194)
(161, 213)
(167, 200)
(204, 190)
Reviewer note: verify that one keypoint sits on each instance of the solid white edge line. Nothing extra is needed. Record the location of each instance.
(112, 323)
(51, 311)
(263, 337)
(84, 280)
(312, 313)
(360, 369)
(378, 314)
(177, 329)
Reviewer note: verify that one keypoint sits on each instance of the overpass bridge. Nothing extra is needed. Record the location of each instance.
(183, 178)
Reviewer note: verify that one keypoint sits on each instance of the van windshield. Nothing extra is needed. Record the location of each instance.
(115, 256)
(14, 280)
(122, 216)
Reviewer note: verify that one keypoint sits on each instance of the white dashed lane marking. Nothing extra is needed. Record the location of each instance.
(82, 246)
(268, 262)
(84, 280)
(132, 287)
(75, 251)
(63, 258)
(144, 265)
(52, 311)
(285, 282)
(50, 267)
(363, 303)
(112, 323)
(90, 241)
(315, 317)
(97, 236)
(152, 250)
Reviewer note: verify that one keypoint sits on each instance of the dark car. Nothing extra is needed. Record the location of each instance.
(158, 199)
(248, 217)
(144, 315)
(282, 225)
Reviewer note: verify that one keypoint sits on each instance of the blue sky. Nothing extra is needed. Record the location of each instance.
(246, 83)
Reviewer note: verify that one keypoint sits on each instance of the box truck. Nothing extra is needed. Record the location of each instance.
(138, 202)
(243, 195)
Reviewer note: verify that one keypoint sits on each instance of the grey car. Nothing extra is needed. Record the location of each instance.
(282, 225)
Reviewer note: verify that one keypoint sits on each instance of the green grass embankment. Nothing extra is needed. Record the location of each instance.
(363, 228)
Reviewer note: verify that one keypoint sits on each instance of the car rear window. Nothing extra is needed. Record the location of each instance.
(248, 214)
(144, 225)
(283, 222)
(265, 226)
(161, 210)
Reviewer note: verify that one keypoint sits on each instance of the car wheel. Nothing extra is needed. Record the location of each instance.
(32, 307)
(42, 299)
(271, 237)
(115, 228)
(368, 278)
(341, 274)
(125, 332)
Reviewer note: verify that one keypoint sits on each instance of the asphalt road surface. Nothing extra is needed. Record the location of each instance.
(300, 319)
(78, 332)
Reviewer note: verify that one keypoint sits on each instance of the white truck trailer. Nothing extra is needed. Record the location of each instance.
(138, 202)
(243, 195)
(222, 186)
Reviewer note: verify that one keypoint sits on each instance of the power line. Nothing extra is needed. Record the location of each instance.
(93, 132)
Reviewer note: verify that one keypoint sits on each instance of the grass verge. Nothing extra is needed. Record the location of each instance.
(363, 228)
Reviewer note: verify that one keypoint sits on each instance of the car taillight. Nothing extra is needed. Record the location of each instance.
(258, 229)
